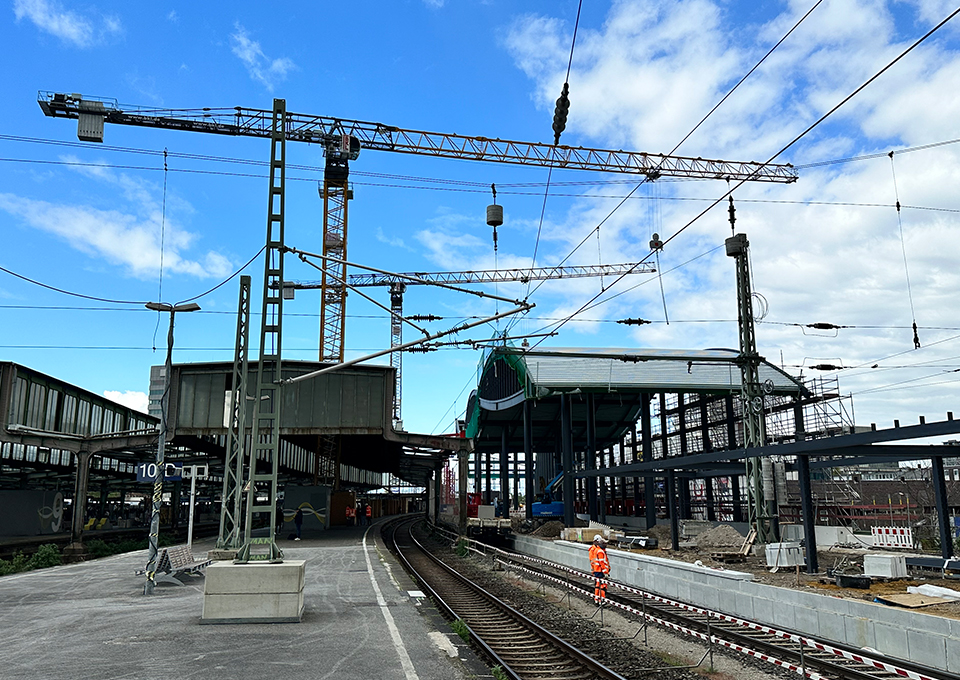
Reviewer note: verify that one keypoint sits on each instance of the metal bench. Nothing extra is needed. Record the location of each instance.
(175, 562)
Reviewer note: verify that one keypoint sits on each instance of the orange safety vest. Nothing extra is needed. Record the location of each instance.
(598, 559)
(369, 511)
(350, 512)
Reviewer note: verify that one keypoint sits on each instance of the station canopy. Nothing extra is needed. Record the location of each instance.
(619, 379)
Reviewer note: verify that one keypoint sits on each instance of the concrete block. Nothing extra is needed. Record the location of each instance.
(891, 640)
(859, 631)
(929, 649)
(831, 625)
(784, 615)
(953, 653)
(763, 610)
(728, 601)
(253, 593)
(254, 577)
(705, 596)
(744, 605)
(806, 620)
(255, 608)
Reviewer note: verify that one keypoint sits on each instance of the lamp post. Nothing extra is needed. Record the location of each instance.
(161, 440)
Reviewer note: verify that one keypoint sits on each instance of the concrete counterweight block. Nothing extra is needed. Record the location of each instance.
(253, 593)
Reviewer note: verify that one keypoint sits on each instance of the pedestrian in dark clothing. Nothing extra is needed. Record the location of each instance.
(298, 522)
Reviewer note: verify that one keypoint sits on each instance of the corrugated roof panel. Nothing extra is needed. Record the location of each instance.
(564, 369)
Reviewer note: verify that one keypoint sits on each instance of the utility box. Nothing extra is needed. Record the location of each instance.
(784, 555)
(885, 565)
(486, 512)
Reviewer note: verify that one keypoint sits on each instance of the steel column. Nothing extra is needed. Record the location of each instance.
(504, 474)
(591, 458)
(566, 459)
(943, 511)
(528, 457)
(809, 518)
(649, 481)
(672, 509)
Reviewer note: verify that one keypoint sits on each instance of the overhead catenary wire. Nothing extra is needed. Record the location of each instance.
(800, 136)
(684, 139)
(903, 248)
(479, 190)
(139, 303)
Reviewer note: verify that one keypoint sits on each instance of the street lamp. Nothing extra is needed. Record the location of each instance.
(162, 440)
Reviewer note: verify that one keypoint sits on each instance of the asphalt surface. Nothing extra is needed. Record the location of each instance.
(91, 621)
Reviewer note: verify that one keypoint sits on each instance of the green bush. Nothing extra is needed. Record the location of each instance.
(461, 548)
(47, 555)
(460, 628)
(498, 674)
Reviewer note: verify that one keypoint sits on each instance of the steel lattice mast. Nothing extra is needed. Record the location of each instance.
(231, 502)
(760, 506)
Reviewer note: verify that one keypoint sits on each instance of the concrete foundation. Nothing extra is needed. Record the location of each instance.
(253, 593)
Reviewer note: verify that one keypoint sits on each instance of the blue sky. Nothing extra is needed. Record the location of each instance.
(88, 218)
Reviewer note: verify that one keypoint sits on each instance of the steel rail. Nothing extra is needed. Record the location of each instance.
(524, 649)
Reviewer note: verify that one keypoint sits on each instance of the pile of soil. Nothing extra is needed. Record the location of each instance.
(661, 532)
(550, 529)
(722, 536)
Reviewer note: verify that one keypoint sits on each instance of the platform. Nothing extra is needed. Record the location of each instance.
(363, 618)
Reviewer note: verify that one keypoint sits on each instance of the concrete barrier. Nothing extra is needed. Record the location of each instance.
(902, 633)
(253, 593)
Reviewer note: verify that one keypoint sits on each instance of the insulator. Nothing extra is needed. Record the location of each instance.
(494, 215)
(425, 317)
(823, 326)
(634, 322)
(560, 113)
(826, 367)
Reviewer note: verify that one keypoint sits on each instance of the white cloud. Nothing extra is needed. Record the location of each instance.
(260, 67)
(434, 3)
(136, 400)
(50, 16)
(129, 235)
(394, 241)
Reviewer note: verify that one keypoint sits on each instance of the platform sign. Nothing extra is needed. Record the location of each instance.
(147, 472)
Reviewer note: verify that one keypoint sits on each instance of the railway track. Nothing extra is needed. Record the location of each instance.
(523, 649)
(801, 654)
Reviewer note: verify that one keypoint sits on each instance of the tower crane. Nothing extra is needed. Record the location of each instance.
(398, 284)
(342, 140)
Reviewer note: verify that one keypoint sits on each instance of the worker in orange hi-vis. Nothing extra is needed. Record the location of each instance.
(600, 566)
(350, 514)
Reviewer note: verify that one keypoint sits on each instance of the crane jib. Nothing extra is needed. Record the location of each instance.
(332, 133)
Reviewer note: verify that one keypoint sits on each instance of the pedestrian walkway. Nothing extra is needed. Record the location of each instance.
(363, 618)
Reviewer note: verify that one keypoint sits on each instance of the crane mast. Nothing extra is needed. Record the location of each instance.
(342, 140)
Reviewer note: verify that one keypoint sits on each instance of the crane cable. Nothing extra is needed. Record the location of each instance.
(903, 248)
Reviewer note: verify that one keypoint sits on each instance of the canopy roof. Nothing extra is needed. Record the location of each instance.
(616, 377)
